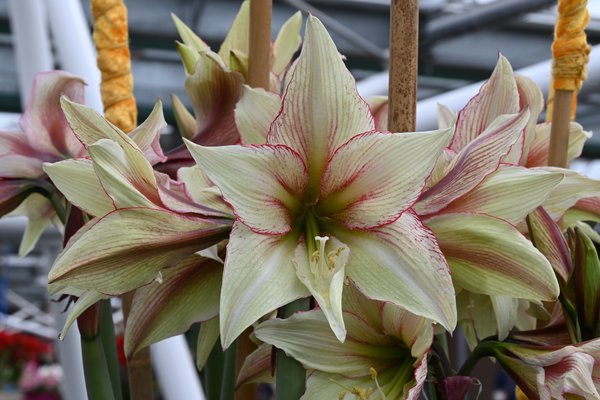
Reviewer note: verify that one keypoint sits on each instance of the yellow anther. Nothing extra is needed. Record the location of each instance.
(373, 372)
(361, 393)
(342, 395)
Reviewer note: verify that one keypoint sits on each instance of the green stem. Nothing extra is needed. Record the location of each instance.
(95, 370)
(483, 349)
(56, 200)
(107, 335)
(290, 375)
(228, 381)
(440, 350)
(213, 370)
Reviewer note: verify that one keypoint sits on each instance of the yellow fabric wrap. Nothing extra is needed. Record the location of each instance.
(570, 50)
(114, 61)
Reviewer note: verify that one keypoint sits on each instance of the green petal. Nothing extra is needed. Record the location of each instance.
(207, 339)
(321, 107)
(263, 184)
(125, 174)
(259, 278)
(402, 263)
(510, 193)
(127, 248)
(254, 114)
(538, 150)
(188, 293)
(473, 163)
(237, 37)
(77, 181)
(257, 366)
(188, 36)
(186, 123)
(498, 96)
(489, 256)
(287, 43)
(85, 301)
(571, 189)
(307, 338)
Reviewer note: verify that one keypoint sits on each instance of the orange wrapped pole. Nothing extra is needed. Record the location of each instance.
(570, 53)
(404, 57)
(111, 38)
(114, 61)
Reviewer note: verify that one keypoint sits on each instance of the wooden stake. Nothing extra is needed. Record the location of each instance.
(259, 59)
(559, 131)
(259, 67)
(404, 46)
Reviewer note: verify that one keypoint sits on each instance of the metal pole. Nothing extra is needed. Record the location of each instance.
(73, 41)
(31, 42)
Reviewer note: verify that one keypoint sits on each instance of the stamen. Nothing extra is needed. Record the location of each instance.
(373, 373)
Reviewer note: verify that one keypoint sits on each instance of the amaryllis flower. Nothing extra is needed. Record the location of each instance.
(327, 198)
(214, 82)
(45, 137)
(552, 372)
(144, 222)
(475, 199)
(384, 355)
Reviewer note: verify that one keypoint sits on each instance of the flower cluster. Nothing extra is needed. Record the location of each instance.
(301, 191)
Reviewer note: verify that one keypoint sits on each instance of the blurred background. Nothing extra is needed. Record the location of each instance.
(459, 45)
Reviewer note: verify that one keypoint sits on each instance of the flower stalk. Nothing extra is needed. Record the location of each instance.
(289, 373)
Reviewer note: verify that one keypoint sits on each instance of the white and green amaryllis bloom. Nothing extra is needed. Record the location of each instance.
(327, 198)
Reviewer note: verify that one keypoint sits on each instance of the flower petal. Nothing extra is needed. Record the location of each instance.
(85, 301)
(530, 96)
(40, 215)
(43, 121)
(259, 277)
(379, 108)
(207, 340)
(188, 293)
(18, 159)
(201, 190)
(308, 338)
(13, 192)
(446, 117)
(287, 43)
(415, 332)
(263, 184)
(254, 114)
(498, 96)
(127, 248)
(257, 366)
(489, 256)
(323, 275)
(125, 174)
(475, 161)
(147, 135)
(188, 36)
(214, 92)
(510, 193)
(186, 123)
(321, 107)
(361, 190)
(538, 150)
(237, 37)
(402, 263)
(547, 237)
(77, 181)
(505, 310)
(569, 191)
